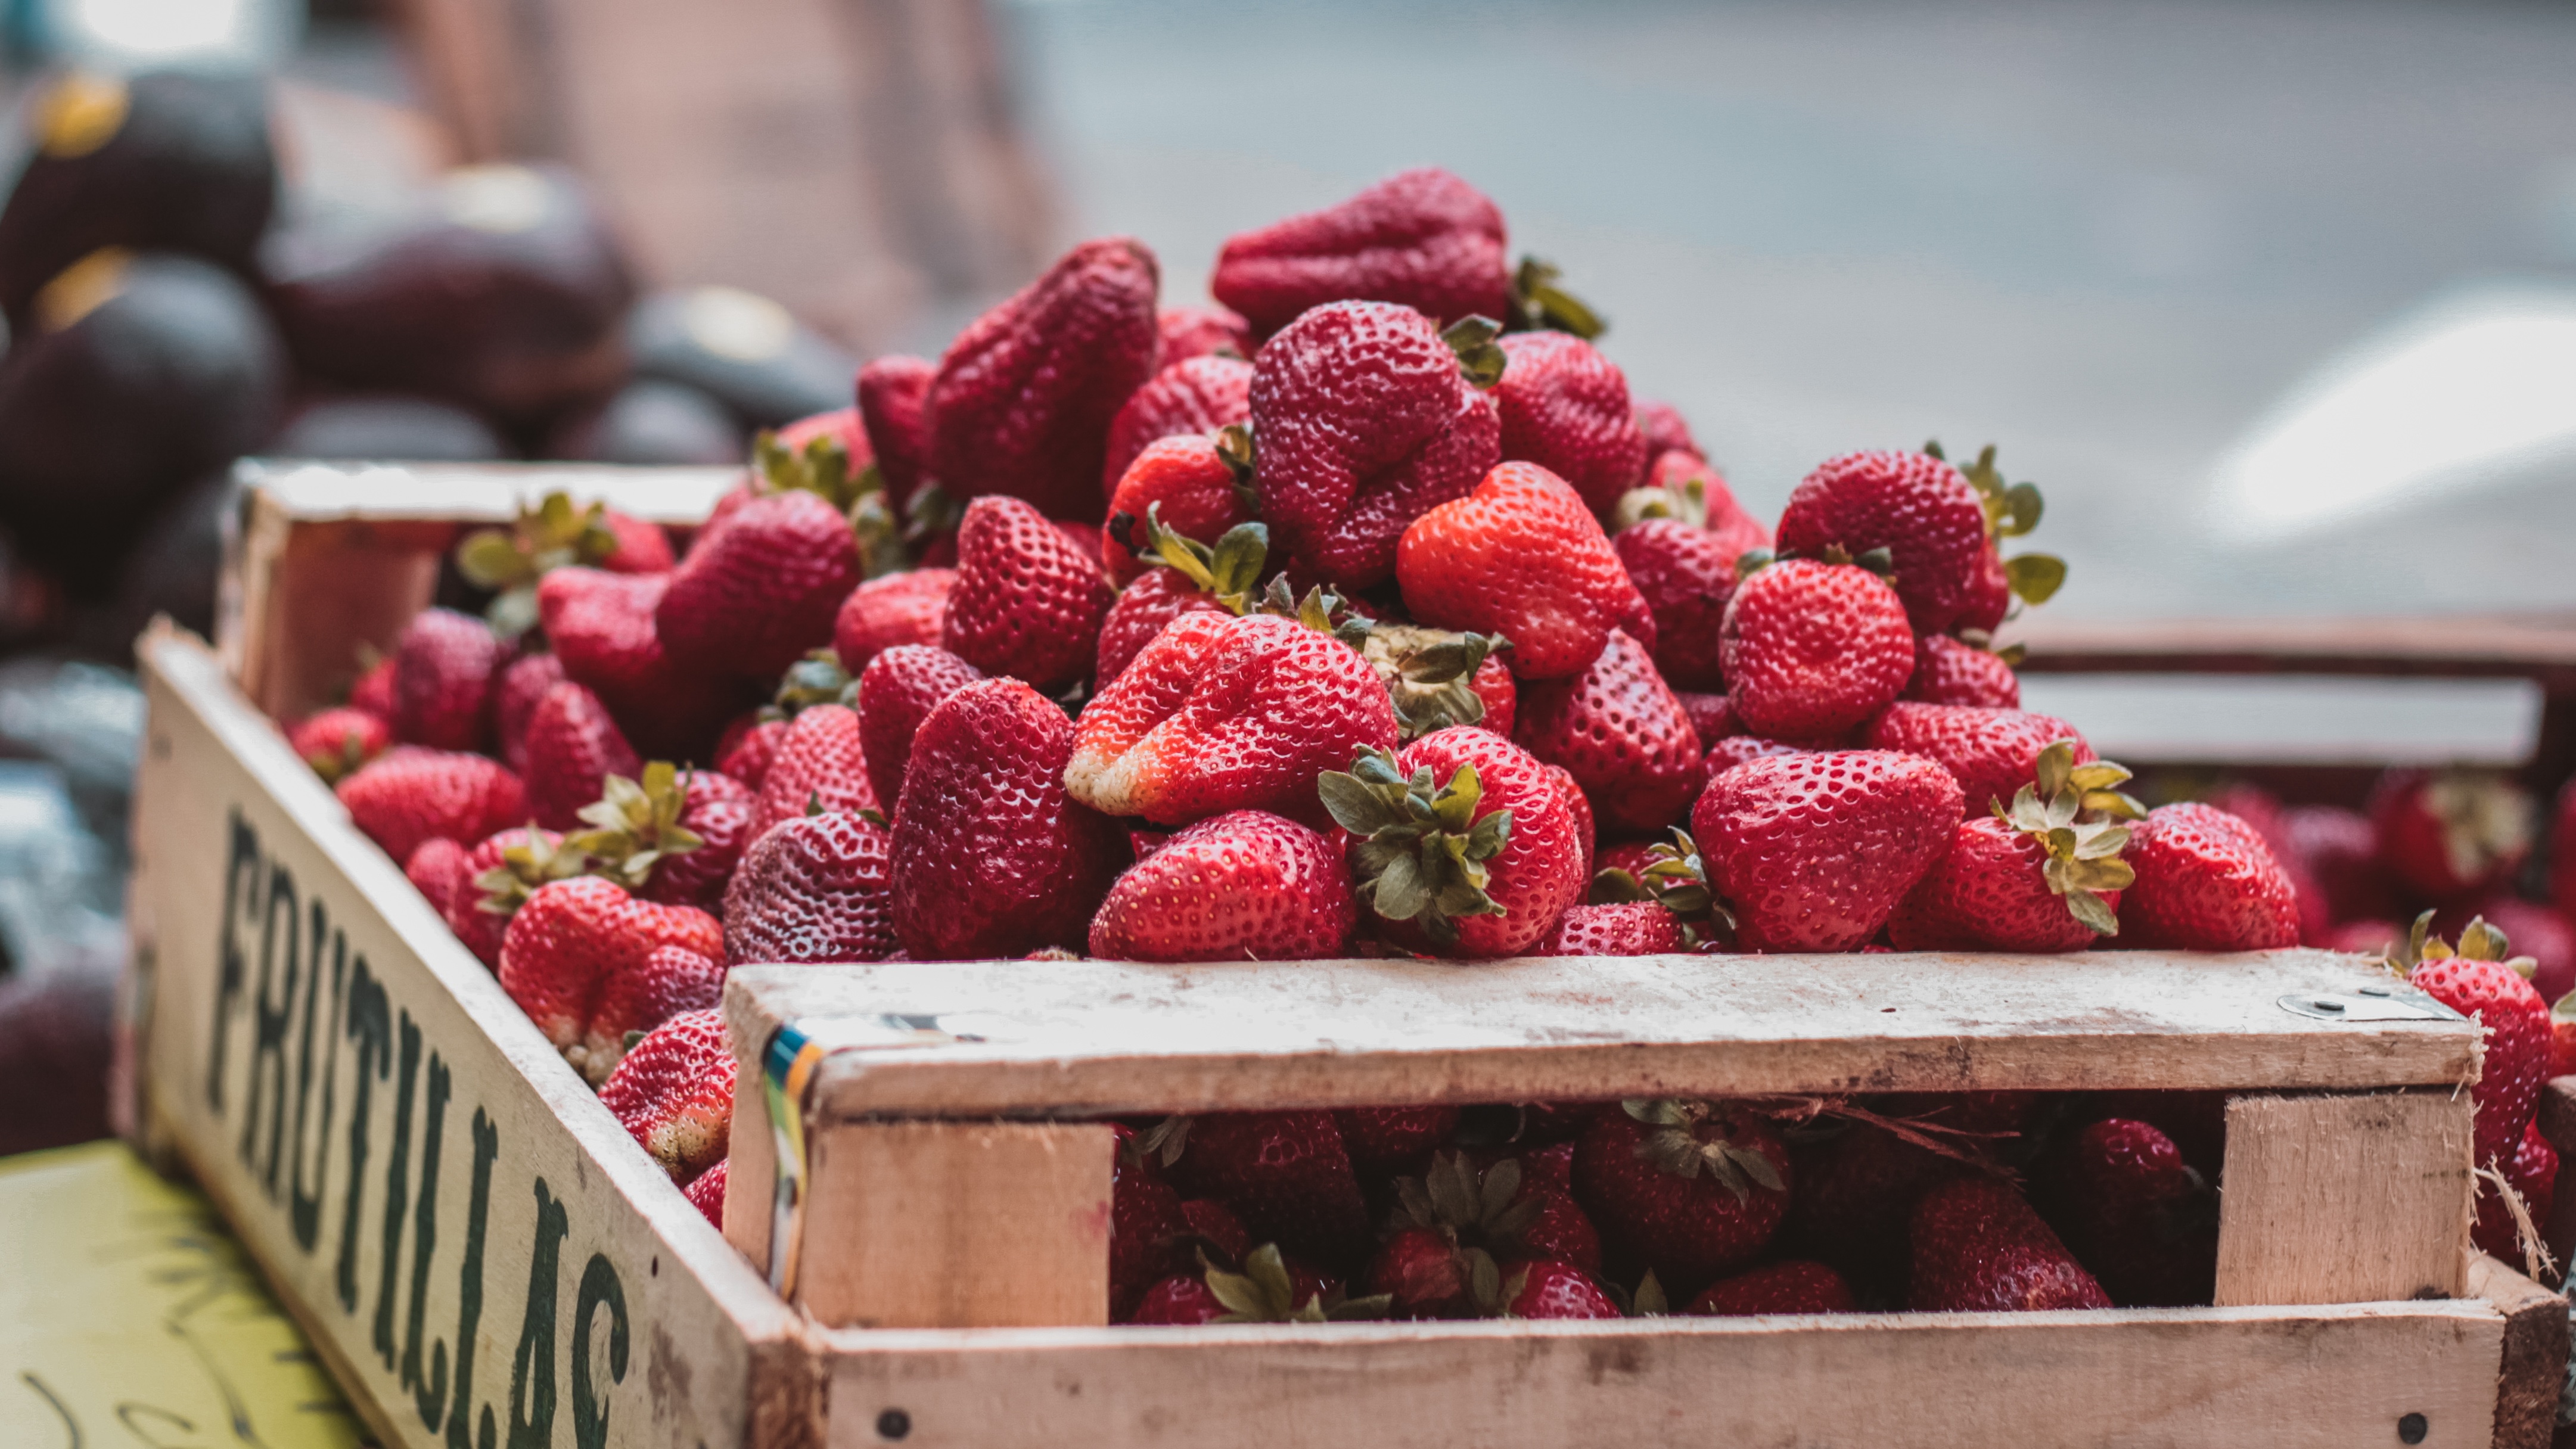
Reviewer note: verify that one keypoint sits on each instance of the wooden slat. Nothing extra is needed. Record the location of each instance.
(2534, 1365)
(2345, 1199)
(2207, 1378)
(2456, 646)
(1094, 1037)
(308, 492)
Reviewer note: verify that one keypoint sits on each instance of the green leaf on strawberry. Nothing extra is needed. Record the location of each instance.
(635, 825)
(2074, 812)
(1472, 338)
(1423, 849)
(511, 560)
(1538, 303)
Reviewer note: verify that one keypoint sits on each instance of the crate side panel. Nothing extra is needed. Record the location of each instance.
(2345, 1199)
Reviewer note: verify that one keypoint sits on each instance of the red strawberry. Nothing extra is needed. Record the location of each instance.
(897, 691)
(572, 748)
(667, 835)
(1856, 1189)
(1795, 1286)
(1665, 430)
(1285, 1173)
(642, 547)
(1026, 603)
(2535, 930)
(1222, 713)
(1810, 650)
(1565, 407)
(991, 857)
(1143, 609)
(1193, 397)
(1522, 557)
(706, 1193)
(1422, 238)
(671, 980)
(817, 888)
(1949, 671)
(1815, 850)
(336, 742)
(1978, 1248)
(1493, 685)
(601, 626)
(1270, 1289)
(2367, 937)
(1990, 894)
(1587, 832)
(2451, 835)
(1384, 1140)
(1620, 733)
(523, 683)
(1421, 1272)
(1216, 1223)
(1711, 717)
(2134, 1213)
(1186, 483)
(2338, 849)
(1686, 487)
(571, 940)
(1696, 1189)
(674, 1093)
(1461, 844)
(1991, 752)
(437, 870)
(1146, 1225)
(820, 761)
(373, 690)
(410, 795)
(749, 744)
(2205, 882)
(1685, 575)
(904, 608)
(443, 668)
(1024, 396)
(1189, 332)
(892, 392)
(1364, 422)
(1734, 750)
(1453, 1224)
(1243, 886)
(759, 588)
(1537, 1288)
(1437, 678)
(500, 873)
(1627, 928)
(842, 426)
(2477, 982)
(2533, 1175)
(1928, 517)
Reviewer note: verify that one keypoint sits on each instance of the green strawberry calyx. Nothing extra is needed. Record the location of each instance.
(818, 678)
(530, 863)
(635, 825)
(1469, 1207)
(1692, 1137)
(1675, 878)
(2078, 816)
(1234, 449)
(1539, 304)
(2479, 941)
(1430, 674)
(511, 560)
(822, 467)
(1479, 357)
(1423, 850)
(334, 765)
(1685, 504)
(1317, 610)
(2012, 509)
(1228, 571)
(1264, 1293)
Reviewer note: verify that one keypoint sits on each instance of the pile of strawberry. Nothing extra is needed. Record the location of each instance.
(1366, 613)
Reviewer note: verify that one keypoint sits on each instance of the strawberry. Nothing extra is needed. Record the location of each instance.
(1620, 733)
(338, 741)
(1364, 421)
(1625, 928)
(841, 427)
(2476, 981)
(1216, 1225)
(1522, 557)
(2044, 874)
(523, 683)
(1927, 515)
(1685, 487)
(2451, 835)
(1812, 649)
(1285, 1173)
(820, 763)
(1991, 752)
(1734, 750)
(1696, 1189)
(1222, 713)
(1146, 1225)
(1587, 832)
(1387, 1140)
(706, 1193)
(1195, 397)
(1461, 843)
(571, 940)
(2536, 931)
(1952, 671)
(2134, 1213)
(1666, 430)
(991, 857)
(1026, 603)
(1685, 575)
(893, 391)
(817, 888)
(601, 627)
(1270, 1289)
(2366, 937)
(1539, 1288)
(1795, 1286)
(1194, 484)
(1565, 407)
(437, 870)
(1454, 1224)
(1815, 850)
(2532, 1173)
(1144, 607)
(669, 836)
(747, 747)
(1025, 394)
(410, 794)
(444, 662)
(674, 1093)
(2339, 850)
(1856, 1188)
(1711, 717)
(573, 746)
(500, 873)
(1421, 238)
(759, 587)
(883, 613)
(897, 691)
(1436, 678)
(511, 562)
(671, 980)
(1189, 332)
(1243, 886)
(373, 690)
(1978, 1248)
(2205, 882)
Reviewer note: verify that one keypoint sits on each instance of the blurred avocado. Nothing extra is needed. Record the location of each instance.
(651, 422)
(743, 350)
(386, 428)
(173, 568)
(139, 372)
(503, 291)
(169, 161)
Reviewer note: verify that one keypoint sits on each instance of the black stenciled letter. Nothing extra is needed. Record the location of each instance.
(469, 1285)
(532, 1368)
(268, 1039)
(397, 1186)
(241, 893)
(368, 1025)
(599, 1285)
(424, 1244)
(304, 1208)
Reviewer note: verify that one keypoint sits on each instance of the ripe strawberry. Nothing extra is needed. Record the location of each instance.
(1696, 1189)
(410, 794)
(373, 690)
(2205, 882)
(671, 980)
(500, 873)
(1285, 1173)
(883, 613)
(991, 857)
(747, 747)
(1537, 1288)
(523, 682)
(1855, 1191)
(706, 1193)
(1815, 850)
(1795, 1286)
(1620, 733)
(1522, 557)
(2478, 982)
(2367, 937)
(2338, 849)
(1734, 750)
(1218, 1228)
(1024, 396)
(336, 742)
(443, 668)
(642, 547)
(1026, 603)
(1144, 607)
(2134, 1213)
(1222, 713)
(2451, 835)
(674, 1093)
(1422, 238)
(1565, 407)
(573, 746)
(1978, 1248)
(1194, 397)
(1991, 752)
(1928, 517)
(1387, 1140)
(1951, 671)
(897, 691)
(2535, 930)
(2532, 1173)
(841, 427)
(1436, 678)
(571, 940)
(1187, 483)
(667, 835)
(1627, 928)
(1810, 650)
(1711, 717)
(601, 627)
(1454, 1224)
(1685, 575)
(1189, 332)
(437, 870)
(1364, 422)
(1686, 487)
(1270, 1289)
(817, 888)
(759, 587)
(820, 762)
(1243, 886)
(1461, 844)
(1147, 1230)
(1666, 430)
(1587, 832)
(1994, 891)
(892, 392)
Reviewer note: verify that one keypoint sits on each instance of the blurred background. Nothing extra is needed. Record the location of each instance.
(2276, 301)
